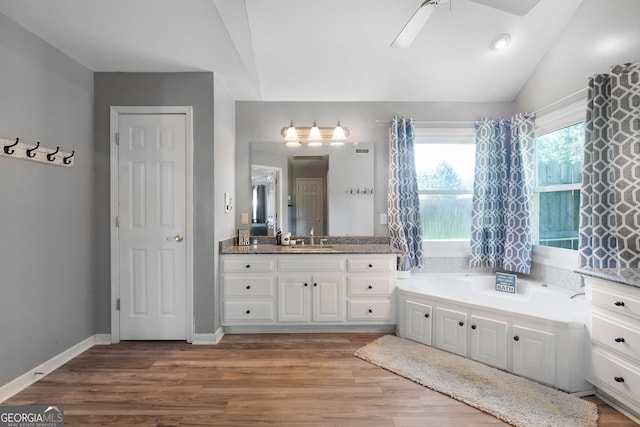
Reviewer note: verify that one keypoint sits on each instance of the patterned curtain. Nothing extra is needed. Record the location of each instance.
(403, 204)
(501, 234)
(609, 234)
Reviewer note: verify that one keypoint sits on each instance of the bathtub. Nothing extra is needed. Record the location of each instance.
(533, 299)
(538, 332)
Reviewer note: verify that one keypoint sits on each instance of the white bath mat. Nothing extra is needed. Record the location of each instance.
(513, 399)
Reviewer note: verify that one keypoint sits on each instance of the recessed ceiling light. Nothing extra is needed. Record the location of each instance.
(501, 41)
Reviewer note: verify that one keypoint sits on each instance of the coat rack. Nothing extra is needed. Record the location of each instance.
(35, 152)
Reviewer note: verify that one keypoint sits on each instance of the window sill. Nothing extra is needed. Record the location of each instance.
(556, 257)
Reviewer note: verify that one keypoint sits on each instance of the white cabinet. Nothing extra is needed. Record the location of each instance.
(488, 340)
(418, 320)
(318, 298)
(614, 326)
(534, 354)
(262, 292)
(451, 333)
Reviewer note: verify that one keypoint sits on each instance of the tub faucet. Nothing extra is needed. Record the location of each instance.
(575, 295)
(311, 237)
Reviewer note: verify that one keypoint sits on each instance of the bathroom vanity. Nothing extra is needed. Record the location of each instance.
(613, 321)
(335, 287)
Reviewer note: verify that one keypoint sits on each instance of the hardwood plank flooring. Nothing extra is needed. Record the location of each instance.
(249, 380)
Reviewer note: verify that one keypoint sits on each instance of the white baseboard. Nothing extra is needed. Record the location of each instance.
(25, 380)
(103, 339)
(208, 339)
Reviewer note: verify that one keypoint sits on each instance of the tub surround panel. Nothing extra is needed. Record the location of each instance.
(460, 313)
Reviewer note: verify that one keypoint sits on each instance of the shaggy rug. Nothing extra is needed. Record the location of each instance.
(513, 399)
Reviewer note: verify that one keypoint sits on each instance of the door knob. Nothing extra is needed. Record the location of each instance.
(177, 238)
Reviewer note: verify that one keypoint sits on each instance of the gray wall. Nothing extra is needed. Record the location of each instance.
(46, 217)
(262, 121)
(157, 89)
(601, 34)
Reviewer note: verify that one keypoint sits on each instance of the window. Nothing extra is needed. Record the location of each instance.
(445, 165)
(559, 174)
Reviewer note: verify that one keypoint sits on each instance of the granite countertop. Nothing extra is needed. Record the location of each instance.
(334, 245)
(623, 276)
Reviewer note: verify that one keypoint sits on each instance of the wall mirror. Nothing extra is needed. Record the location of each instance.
(328, 188)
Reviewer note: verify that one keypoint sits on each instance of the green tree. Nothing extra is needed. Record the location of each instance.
(443, 177)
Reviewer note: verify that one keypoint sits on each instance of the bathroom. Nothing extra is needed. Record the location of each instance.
(63, 297)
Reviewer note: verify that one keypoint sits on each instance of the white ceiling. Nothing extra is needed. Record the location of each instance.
(305, 50)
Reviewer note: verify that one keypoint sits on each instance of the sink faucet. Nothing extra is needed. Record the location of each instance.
(311, 237)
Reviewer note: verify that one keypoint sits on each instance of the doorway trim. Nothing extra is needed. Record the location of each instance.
(115, 111)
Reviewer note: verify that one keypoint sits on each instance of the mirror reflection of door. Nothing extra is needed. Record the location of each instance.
(308, 176)
(309, 206)
(266, 202)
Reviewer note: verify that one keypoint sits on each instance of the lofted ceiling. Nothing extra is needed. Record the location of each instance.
(305, 50)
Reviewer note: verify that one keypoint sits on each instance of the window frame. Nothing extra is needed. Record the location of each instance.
(449, 135)
(558, 119)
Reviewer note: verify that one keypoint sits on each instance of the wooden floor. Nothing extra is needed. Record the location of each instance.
(249, 380)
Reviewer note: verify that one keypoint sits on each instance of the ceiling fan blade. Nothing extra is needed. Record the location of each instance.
(516, 7)
(413, 27)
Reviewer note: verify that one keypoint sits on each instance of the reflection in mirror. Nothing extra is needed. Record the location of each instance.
(265, 200)
(328, 188)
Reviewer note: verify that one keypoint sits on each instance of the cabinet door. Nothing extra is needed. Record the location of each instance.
(451, 332)
(488, 341)
(294, 298)
(418, 322)
(328, 298)
(534, 354)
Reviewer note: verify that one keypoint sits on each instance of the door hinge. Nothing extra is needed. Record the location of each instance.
(117, 222)
(118, 304)
(117, 136)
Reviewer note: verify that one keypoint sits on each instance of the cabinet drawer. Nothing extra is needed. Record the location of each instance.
(249, 311)
(380, 285)
(372, 309)
(616, 336)
(619, 302)
(248, 265)
(616, 374)
(248, 286)
(372, 264)
(316, 263)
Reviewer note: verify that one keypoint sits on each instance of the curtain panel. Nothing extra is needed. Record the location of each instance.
(403, 209)
(609, 233)
(501, 232)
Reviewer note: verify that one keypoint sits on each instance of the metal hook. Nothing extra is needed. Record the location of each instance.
(7, 148)
(50, 156)
(67, 160)
(30, 151)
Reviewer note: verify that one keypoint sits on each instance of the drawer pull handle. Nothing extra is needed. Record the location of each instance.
(315, 284)
(619, 303)
(473, 327)
(248, 311)
(461, 323)
(370, 287)
(619, 339)
(618, 379)
(370, 311)
(426, 315)
(306, 284)
(370, 265)
(516, 338)
(247, 266)
(248, 286)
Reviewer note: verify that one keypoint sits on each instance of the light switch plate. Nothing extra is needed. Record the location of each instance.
(244, 218)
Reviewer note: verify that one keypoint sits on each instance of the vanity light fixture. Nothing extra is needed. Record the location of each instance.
(501, 41)
(337, 135)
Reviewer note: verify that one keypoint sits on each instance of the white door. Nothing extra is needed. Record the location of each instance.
(294, 298)
(451, 333)
(489, 341)
(418, 322)
(534, 354)
(309, 206)
(151, 226)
